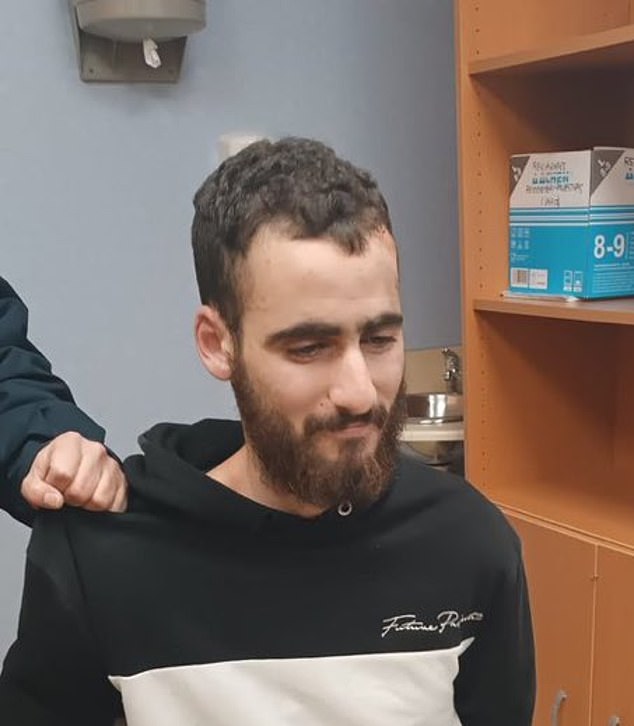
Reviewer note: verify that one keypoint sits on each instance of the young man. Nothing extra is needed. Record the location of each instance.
(36, 408)
(296, 568)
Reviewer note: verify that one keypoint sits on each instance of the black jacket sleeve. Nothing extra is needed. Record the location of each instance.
(496, 682)
(53, 674)
(35, 405)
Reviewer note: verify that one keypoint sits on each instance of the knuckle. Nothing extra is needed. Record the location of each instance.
(59, 474)
(70, 437)
(96, 447)
(101, 503)
(77, 496)
(93, 458)
(113, 473)
(101, 500)
(111, 463)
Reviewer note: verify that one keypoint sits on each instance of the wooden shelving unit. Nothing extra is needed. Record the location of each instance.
(618, 312)
(608, 50)
(549, 423)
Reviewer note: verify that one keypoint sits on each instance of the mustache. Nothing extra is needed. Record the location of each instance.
(377, 416)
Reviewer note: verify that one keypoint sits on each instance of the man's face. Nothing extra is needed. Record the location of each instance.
(318, 378)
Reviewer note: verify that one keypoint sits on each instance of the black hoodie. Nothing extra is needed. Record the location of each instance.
(199, 606)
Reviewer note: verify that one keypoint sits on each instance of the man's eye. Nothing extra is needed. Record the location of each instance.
(306, 352)
(380, 341)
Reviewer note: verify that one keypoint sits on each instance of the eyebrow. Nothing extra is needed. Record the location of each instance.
(318, 329)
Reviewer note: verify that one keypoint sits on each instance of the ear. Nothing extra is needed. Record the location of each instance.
(214, 342)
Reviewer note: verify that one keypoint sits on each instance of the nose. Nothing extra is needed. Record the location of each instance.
(352, 388)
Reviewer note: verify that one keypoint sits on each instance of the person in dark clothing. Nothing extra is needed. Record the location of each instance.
(50, 451)
(295, 567)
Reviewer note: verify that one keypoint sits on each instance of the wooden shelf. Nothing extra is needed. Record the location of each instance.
(592, 516)
(607, 50)
(618, 311)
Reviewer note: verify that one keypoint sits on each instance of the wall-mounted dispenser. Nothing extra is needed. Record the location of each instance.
(134, 40)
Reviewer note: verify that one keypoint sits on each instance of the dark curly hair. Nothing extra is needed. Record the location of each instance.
(300, 185)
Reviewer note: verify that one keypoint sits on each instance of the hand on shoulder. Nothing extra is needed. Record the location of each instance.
(75, 471)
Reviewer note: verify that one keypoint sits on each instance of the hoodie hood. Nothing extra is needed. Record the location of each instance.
(172, 473)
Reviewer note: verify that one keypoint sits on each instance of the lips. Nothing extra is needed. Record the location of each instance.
(355, 430)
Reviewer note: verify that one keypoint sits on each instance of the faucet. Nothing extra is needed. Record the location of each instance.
(453, 371)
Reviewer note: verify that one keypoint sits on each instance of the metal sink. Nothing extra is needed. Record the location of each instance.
(434, 407)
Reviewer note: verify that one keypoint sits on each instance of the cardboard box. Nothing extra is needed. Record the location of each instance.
(572, 223)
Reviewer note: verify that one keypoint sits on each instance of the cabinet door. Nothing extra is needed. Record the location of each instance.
(613, 692)
(561, 577)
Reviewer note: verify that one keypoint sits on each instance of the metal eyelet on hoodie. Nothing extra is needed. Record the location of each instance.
(344, 509)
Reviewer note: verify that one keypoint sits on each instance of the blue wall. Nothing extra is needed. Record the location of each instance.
(96, 185)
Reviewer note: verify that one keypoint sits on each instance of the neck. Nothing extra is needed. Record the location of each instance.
(242, 473)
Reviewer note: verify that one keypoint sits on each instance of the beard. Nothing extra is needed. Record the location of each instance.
(290, 462)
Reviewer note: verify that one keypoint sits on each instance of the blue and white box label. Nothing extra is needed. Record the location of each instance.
(572, 223)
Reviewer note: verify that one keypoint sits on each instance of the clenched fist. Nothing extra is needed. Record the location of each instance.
(73, 470)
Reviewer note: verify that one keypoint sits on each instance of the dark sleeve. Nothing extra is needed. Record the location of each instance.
(52, 675)
(35, 405)
(496, 682)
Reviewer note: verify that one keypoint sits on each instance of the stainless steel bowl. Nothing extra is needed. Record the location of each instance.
(434, 407)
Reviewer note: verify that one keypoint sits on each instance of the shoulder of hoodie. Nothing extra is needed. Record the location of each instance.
(460, 509)
(428, 497)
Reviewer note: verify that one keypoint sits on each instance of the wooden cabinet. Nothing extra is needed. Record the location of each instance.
(582, 598)
(561, 572)
(549, 391)
(613, 688)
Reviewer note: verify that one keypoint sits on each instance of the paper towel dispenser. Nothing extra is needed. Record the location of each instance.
(134, 40)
